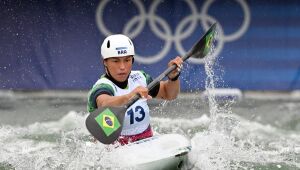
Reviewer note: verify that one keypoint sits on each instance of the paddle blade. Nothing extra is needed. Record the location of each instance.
(202, 47)
(105, 124)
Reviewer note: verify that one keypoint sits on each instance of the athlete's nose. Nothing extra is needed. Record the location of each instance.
(122, 65)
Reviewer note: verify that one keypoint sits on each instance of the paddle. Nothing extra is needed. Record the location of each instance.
(105, 124)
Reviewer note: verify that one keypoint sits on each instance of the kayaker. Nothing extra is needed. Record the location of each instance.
(120, 83)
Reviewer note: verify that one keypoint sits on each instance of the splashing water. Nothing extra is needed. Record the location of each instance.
(66, 144)
(63, 144)
(232, 142)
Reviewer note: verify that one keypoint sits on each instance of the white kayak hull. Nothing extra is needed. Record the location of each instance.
(176, 162)
(167, 151)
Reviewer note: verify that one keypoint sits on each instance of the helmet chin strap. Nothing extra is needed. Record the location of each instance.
(107, 71)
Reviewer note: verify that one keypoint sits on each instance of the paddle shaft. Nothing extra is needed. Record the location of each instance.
(157, 80)
(196, 50)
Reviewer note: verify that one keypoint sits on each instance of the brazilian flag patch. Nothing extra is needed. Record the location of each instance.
(108, 122)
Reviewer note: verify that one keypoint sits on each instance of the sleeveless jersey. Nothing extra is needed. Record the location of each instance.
(137, 117)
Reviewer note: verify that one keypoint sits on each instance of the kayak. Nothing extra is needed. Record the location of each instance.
(168, 151)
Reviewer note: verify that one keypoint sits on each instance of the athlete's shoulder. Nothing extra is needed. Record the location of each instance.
(147, 76)
(137, 75)
(133, 72)
(103, 84)
(102, 80)
(139, 72)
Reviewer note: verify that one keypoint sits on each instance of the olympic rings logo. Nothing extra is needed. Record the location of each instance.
(180, 34)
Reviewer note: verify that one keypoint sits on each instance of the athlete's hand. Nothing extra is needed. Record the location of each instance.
(178, 62)
(142, 91)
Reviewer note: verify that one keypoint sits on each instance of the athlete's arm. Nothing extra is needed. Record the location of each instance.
(105, 100)
(169, 89)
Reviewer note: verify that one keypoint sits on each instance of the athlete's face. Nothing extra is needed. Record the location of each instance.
(119, 67)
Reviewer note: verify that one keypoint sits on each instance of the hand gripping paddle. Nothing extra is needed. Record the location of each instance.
(105, 123)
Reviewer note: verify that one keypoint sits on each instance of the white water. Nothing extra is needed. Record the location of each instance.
(65, 144)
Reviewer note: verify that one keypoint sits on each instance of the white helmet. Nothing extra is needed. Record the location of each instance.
(117, 45)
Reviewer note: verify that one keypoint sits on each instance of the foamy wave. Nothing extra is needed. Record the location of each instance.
(62, 144)
(248, 142)
(66, 144)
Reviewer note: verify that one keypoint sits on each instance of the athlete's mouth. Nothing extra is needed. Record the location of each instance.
(122, 74)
